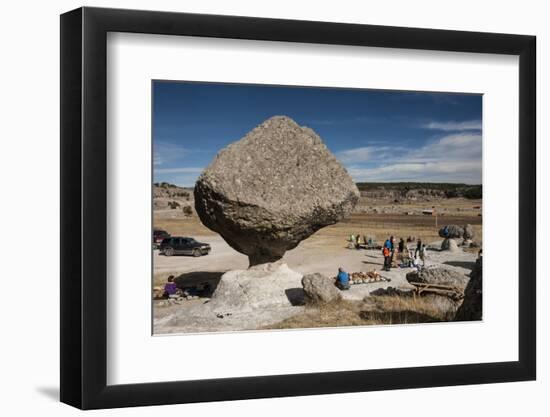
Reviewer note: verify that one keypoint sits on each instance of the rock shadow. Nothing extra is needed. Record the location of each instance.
(203, 282)
(296, 296)
(373, 263)
(461, 264)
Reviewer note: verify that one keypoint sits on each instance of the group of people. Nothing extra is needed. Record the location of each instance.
(404, 254)
(356, 240)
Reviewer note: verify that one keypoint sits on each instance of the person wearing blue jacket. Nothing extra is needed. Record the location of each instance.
(342, 280)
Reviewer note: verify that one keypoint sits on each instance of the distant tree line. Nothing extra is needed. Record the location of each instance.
(450, 190)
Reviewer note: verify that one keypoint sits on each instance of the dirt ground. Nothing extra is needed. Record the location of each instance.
(323, 252)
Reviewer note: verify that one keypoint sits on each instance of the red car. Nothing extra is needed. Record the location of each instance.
(158, 236)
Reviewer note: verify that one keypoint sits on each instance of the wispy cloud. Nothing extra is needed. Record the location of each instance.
(166, 152)
(448, 171)
(367, 154)
(454, 126)
(452, 158)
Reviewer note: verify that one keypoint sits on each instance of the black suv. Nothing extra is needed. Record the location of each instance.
(177, 245)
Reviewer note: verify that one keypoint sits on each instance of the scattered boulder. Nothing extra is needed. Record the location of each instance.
(453, 231)
(471, 308)
(468, 232)
(450, 245)
(272, 189)
(320, 289)
(439, 275)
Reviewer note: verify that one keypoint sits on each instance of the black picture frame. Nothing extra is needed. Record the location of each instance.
(84, 207)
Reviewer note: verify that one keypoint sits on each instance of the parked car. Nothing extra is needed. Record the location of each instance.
(158, 236)
(178, 245)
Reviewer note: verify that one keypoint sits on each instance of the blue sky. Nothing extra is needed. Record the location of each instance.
(378, 135)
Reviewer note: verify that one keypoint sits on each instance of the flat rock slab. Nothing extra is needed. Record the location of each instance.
(244, 300)
(439, 275)
(203, 318)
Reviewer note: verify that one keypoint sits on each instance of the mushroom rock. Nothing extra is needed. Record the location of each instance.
(273, 188)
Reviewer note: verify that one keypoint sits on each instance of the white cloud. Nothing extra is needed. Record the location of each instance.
(166, 152)
(460, 146)
(452, 158)
(367, 154)
(464, 172)
(454, 126)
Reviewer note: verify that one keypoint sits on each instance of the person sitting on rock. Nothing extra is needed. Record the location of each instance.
(170, 288)
(342, 280)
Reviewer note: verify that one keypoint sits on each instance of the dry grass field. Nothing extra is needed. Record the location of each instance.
(378, 310)
(376, 225)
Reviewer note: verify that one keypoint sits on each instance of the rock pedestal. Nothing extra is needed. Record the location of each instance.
(273, 285)
(450, 244)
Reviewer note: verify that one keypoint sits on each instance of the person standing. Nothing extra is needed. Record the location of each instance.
(392, 250)
(387, 258)
(423, 255)
(418, 247)
(386, 251)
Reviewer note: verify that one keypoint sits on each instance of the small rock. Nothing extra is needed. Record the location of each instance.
(320, 289)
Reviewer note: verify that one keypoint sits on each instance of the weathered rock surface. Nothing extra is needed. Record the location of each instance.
(439, 275)
(457, 232)
(453, 231)
(272, 189)
(468, 232)
(320, 289)
(273, 285)
(450, 245)
(471, 308)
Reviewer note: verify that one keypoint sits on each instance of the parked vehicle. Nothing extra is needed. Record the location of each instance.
(178, 245)
(158, 236)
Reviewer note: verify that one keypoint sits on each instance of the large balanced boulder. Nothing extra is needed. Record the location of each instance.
(471, 308)
(439, 275)
(320, 289)
(272, 189)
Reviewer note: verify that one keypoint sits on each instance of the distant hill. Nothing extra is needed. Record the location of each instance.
(419, 189)
(170, 196)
